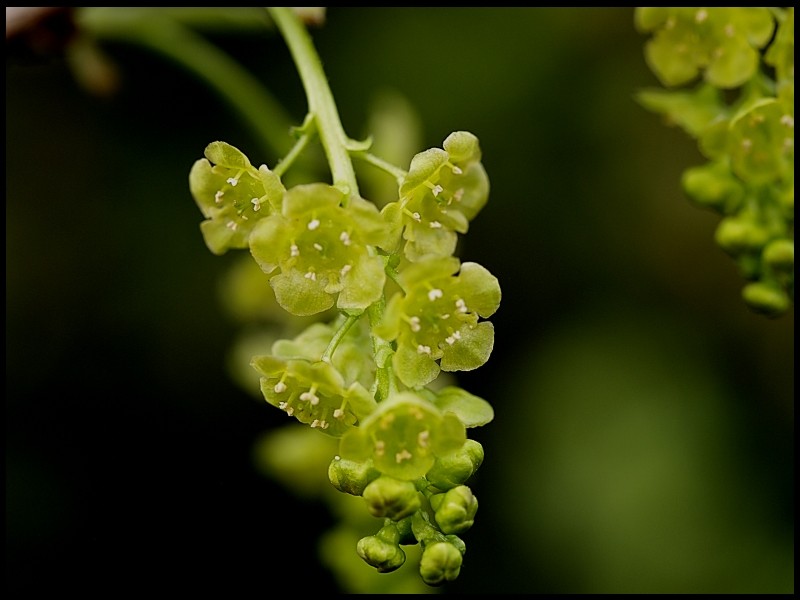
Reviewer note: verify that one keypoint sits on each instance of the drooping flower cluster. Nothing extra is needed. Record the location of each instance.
(403, 448)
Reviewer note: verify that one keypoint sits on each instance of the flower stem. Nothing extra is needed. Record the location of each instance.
(320, 98)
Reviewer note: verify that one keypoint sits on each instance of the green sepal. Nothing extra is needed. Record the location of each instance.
(300, 295)
(714, 186)
(472, 410)
(692, 110)
(779, 255)
(423, 166)
(472, 350)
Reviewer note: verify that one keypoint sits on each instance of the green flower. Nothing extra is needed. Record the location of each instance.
(318, 252)
(403, 436)
(382, 550)
(435, 322)
(721, 43)
(314, 393)
(232, 195)
(442, 192)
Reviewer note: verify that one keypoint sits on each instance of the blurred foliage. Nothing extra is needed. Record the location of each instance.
(643, 431)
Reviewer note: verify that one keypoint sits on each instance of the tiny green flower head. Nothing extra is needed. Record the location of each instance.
(403, 436)
(232, 195)
(442, 192)
(435, 322)
(313, 392)
(318, 252)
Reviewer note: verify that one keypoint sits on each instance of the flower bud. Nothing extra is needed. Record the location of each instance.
(350, 476)
(455, 509)
(391, 498)
(454, 469)
(766, 298)
(440, 562)
(779, 255)
(737, 234)
(384, 555)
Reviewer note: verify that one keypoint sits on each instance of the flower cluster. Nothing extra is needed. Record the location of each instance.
(406, 309)
(748, 141)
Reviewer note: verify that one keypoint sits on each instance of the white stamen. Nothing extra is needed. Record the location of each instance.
(311, 275)
(422, 439)
(416, 216)
(345, 270)
(414, 323)
(457, 170)
(423, 349)
(437, 189)
(459, 193)
(294, 250)
(280, 387)
(318, 246)
(401, 456)
(461, 306)
(434, 294)
(233, 181)
(787, 120)
(310, 396)
(256, 204)
(218, 196)
(701, 15)
(314, 423)
(313, 224)
(345, 237)
(444, 316)
(380, 447)
(435, 225)
(338, 413)
(231, 225)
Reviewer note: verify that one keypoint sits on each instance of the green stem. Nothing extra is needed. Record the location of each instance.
(398, 173)
(320, 98)
(338, 337)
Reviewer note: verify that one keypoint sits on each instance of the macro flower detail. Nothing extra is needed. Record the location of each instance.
(320, 253)
(403, 436)
(436, 319)
(232, 195)
(442, 192)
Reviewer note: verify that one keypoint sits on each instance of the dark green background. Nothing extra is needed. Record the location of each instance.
(643, 437)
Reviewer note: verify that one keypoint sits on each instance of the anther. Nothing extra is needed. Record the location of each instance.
(787, 120)
(231, 225)
(345, 270)
(413, 322)
(435, 225)
(401, 456)
(294, 250)
(218, 196)
(318, 246)
(345, 238)
(311, 275)
(701, 15)
(422, 438)
(434, 294)
(313, 224)
(256, 204)
(280, 387)
(423, 349)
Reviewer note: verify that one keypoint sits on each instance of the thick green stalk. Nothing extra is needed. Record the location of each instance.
(320, 99)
